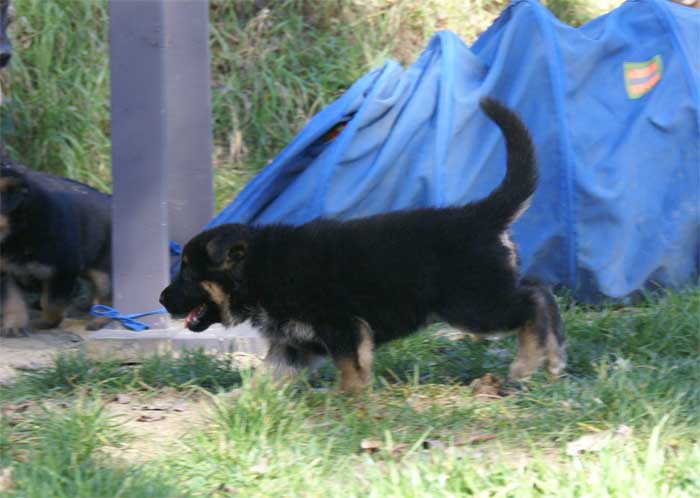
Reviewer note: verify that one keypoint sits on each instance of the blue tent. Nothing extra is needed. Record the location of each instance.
(613, 109)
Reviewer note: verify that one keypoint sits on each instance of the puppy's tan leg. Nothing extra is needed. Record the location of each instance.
(51, 315)
(356, 368)
(15, 317)
(541, 343)
(100, 293)
(531, 355)
(54, 299)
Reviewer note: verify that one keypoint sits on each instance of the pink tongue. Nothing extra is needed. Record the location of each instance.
(193, 315)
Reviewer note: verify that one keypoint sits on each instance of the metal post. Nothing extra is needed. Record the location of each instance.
(140, 262)
(161, 167)
(161, 141)
(188, 96)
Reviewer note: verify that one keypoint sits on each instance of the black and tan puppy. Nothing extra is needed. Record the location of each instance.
(340, 288)
(52, 231)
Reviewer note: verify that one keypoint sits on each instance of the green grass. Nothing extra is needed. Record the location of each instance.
(73, 372)
(57, 117)
(58, 452)
(630, 366)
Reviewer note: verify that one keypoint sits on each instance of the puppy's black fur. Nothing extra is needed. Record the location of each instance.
(52, 231)
(340, 288)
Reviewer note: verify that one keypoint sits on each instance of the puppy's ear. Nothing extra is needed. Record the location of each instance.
(222, 252)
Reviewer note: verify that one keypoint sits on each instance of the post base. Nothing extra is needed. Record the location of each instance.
(130, 346)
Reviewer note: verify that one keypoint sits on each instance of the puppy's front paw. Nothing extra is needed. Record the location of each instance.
(520, 370)
(556, 362)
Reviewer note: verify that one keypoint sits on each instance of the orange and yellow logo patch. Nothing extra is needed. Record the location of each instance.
(640, 77)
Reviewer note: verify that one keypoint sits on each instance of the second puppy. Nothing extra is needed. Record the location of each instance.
(52, 231)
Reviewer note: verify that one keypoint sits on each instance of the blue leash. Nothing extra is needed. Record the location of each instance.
(175, 249)
(126, 320)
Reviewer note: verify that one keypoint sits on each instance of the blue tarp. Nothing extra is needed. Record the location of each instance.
(613, 110)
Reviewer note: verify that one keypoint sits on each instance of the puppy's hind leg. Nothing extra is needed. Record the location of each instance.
(540, 341)
(100, 293)
(355, 366)
(55, 295)
(15, 317)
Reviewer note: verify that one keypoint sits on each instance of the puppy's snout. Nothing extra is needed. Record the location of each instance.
(163, 296)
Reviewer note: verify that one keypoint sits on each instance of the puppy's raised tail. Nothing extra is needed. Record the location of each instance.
(512, 196)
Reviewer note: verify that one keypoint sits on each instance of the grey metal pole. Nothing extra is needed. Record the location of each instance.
(189, 150)
(161, 169)
(161, 141)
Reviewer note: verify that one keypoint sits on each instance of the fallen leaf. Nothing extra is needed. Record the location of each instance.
(475, 439)
(589, 443)
(122, 399)
(6, 479)
(371, 445)
(480, 438)
(150, 418)
(486, 388)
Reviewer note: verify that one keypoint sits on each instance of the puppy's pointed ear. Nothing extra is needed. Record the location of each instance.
(223, 252)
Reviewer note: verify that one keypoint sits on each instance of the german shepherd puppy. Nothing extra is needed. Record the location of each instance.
(341, 288)
(52, 231)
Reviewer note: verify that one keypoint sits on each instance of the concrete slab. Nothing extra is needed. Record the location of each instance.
(130, 346)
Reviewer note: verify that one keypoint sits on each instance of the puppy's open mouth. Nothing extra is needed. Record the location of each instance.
(202, 317)
(195, 316)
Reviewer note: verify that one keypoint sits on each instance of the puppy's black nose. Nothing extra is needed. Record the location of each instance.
(5, 58)
(161, 299)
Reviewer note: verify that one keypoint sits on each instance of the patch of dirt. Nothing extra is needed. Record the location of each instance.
(156, 424)
(39, 348)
